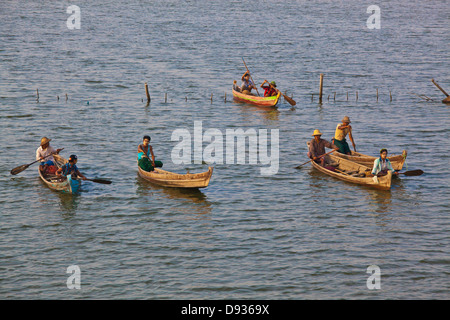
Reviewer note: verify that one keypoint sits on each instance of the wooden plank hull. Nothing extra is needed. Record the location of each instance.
(69, 185)
(397, 161)
(175, 180)
(347, 170)
(255, 100)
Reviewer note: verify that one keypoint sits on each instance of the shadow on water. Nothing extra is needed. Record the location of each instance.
(194, 200)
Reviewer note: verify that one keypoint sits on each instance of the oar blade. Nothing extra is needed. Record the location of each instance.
(291, 101)
(417, 172)
(103, 181)
(19, 169)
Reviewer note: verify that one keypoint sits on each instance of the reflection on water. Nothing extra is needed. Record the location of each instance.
(381, 200)
(268, 113)
(195, 201)
(68, 203)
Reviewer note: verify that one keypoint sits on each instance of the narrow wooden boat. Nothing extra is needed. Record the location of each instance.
(397, 161)
(68, 185)
(176, 180)
(353, 172)
(256, 100)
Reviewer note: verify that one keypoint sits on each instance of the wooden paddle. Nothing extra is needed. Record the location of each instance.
(103, 181)
(251, 76)
(298, 167)
(412, 173)
(291, 101)
(23, 167)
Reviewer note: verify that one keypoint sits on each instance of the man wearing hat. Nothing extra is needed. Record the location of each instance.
(317, 148)
(342, 130)
(45, 150)
(70, 168)
(269, 90)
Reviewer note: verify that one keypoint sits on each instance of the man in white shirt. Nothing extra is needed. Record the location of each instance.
(45, 150)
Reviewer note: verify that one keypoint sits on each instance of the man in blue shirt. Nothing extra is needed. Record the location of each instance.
(247, 84)
(70, 168)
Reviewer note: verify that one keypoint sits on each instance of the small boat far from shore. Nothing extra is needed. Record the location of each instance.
(256, 100)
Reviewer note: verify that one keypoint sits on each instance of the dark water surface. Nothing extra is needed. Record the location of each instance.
(295, 235)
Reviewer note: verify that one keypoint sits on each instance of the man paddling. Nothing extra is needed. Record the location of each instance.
(247, 84)
(342, 130)
(271, 89)
(70, 168)
(317, 148)
(44, 152)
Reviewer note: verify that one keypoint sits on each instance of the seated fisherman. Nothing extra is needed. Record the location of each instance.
(144, 152)
(70, 168)
(317, 148)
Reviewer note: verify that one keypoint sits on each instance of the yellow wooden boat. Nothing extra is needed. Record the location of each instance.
(176, 180)
(353, 172)
(256, 100)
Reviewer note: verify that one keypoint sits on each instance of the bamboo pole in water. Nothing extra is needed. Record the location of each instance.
(147, 93)
(320, 88)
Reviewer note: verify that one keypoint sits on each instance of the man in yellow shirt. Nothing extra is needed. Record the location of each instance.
(342, 130)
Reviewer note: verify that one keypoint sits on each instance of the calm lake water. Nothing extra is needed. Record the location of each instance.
(298, 234)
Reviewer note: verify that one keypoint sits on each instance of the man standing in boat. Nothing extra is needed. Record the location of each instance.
(271, 89)
(342, 130)
(317, 148)
(247, 84)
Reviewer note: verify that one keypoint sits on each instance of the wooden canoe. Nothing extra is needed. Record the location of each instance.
(397, 161)
(256, 100)
(176, 180)
(354, 173)
(68, 185)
